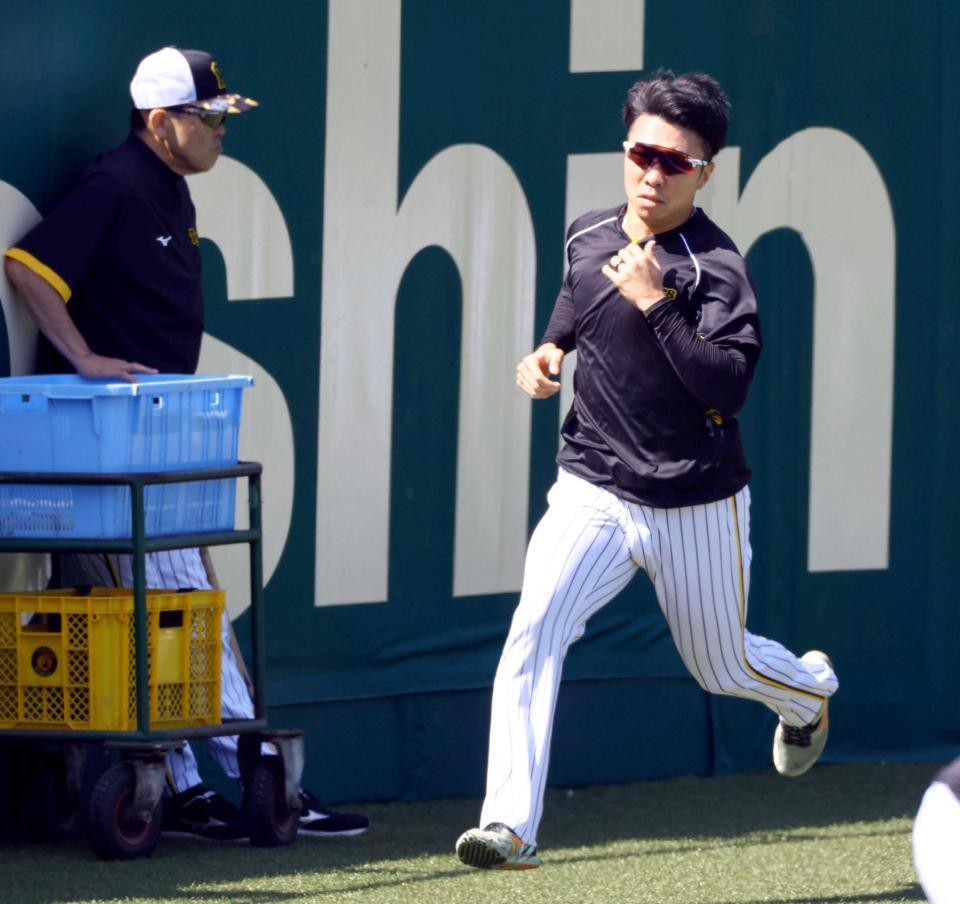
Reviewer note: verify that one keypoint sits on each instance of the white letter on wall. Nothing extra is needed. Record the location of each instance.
(824, 184)
(18, 571)
(593, 180)
(238, 212)
(596, 180)
(17, 217)
(468, 201)
(606, 35)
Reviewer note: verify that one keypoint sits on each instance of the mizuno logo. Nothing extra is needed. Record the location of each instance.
(164, 239)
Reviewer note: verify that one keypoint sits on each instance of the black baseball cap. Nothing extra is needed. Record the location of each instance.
(172, 77)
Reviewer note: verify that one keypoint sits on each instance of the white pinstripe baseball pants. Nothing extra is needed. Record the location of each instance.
(586, 549)
(178, 568)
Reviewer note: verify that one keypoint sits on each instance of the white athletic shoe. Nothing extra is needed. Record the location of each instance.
(795, 750)
(496, 847)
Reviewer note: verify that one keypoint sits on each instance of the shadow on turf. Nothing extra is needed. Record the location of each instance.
(757, 802)
(907, 893)
(708, 842)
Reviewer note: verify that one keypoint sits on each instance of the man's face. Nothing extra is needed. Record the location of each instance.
(193, 146)
(659, 200)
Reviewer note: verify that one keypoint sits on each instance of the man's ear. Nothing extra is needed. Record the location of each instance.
(157, 121)
(705, 175)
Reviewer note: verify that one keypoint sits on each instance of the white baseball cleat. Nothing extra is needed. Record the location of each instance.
(795, 750)
(496, 847)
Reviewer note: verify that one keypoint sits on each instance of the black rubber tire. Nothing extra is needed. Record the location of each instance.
(48, 812)
(114, 833)
(271, 822)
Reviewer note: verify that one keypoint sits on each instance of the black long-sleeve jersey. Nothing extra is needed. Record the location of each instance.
(656, 394)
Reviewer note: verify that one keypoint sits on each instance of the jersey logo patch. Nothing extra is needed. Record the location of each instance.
(670, 293)
(194, 235)
(164, 239)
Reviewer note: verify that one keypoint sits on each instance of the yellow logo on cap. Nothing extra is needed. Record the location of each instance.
(194, 235)
(215, 69)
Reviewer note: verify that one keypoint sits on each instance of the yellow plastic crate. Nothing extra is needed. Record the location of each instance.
(69, 661)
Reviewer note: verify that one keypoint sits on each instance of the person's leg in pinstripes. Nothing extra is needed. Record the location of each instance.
(584, 551)
(192, 809)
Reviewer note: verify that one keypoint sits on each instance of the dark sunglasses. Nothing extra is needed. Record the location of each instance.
(212, 120)
(646, 155)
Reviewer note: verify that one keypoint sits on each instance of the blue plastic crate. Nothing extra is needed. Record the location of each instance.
(65, 423)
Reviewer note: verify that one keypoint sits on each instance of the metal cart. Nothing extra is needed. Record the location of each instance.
(125, 814)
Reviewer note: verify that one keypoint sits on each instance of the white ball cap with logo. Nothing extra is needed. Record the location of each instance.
(172, 77)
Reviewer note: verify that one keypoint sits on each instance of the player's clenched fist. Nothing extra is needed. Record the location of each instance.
(634, 270)
(535, 370)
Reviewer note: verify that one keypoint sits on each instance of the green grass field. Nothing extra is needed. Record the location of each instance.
(839, 834)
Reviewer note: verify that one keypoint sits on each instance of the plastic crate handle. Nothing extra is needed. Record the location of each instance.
(31, 403)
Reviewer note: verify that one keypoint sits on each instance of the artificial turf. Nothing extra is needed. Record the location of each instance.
(839, 834)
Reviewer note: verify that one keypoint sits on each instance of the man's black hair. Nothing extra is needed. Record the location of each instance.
(692, 101)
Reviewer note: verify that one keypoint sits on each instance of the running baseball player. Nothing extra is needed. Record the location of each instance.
(659, 306)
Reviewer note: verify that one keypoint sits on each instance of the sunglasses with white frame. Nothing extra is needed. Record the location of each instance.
(671, 161)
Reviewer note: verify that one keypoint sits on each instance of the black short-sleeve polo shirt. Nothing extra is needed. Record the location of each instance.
(122, 251)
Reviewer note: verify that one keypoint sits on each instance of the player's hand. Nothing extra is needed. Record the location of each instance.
(535, 370)
(99, 367)
(635, 271)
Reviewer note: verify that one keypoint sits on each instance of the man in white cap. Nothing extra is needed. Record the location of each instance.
(112, 277)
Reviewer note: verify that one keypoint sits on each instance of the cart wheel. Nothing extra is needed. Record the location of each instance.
(115, 832)
(272, 823)
(49, 811)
